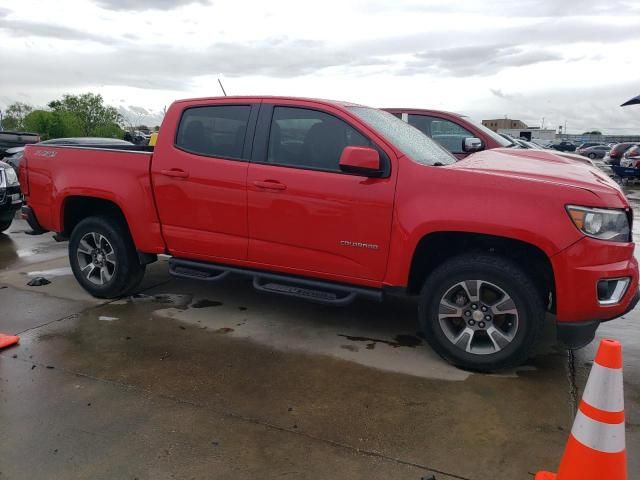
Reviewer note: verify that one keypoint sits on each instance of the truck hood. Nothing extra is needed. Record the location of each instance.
(543, 166)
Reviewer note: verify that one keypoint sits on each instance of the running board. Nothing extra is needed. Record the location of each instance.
(317, 291)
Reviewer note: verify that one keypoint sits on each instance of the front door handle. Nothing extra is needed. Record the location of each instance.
(270, 185)
(175, 172)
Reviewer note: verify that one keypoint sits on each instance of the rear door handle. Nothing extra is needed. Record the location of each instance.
(270, 185)
(175, 172)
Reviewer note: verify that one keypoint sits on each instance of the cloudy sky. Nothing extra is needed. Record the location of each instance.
(567, 61)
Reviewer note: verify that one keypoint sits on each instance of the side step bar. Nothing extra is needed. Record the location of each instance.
(317, 291)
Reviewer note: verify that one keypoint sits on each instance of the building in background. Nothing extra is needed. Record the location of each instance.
(503, 123)
(543, 136)
(533, 134)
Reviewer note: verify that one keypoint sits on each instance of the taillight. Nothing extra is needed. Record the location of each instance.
(23, 175)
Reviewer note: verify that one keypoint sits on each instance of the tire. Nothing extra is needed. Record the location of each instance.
(103, 257)
(5, 223)
(505, 339)
(592, 156)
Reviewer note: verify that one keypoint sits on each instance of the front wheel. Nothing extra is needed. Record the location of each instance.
(592, 156)
(103, 257)
(481, 312)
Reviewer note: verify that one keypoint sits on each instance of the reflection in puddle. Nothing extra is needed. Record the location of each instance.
(54, 272)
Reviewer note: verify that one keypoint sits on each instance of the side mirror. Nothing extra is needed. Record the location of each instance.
(363, 161)
(472, 144)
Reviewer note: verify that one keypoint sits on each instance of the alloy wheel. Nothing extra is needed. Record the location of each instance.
(478, 317)
(96, 258)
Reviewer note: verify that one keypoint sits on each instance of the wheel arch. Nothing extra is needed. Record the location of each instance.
(435, 248)
(76, 208)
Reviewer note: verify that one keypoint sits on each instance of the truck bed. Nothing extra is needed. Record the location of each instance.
(120, 174)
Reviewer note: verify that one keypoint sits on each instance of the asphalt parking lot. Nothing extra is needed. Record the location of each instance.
(191, 380)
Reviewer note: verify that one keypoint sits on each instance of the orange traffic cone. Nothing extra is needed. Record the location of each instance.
(8, 340)
(596, 447)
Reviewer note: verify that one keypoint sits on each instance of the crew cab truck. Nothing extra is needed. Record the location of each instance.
(330, 201)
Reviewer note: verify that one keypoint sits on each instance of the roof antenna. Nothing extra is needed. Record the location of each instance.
(220, 83)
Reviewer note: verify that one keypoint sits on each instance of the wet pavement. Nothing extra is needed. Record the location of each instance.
(192, 380)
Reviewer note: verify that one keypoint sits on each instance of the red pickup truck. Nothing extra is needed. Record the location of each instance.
(330, 201)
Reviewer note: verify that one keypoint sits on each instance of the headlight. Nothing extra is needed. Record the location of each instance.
(11, 177)
(602, 223)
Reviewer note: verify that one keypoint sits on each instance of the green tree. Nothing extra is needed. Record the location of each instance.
(14, 116)
(39, 121)
(52, 124)
(91, 115)
(593, 132)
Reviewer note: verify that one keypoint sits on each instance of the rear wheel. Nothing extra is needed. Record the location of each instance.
(592, 156)
(103, 257)
(481, 312)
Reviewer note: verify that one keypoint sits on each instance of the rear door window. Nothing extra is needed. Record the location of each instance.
(215, 131)
(448, 134)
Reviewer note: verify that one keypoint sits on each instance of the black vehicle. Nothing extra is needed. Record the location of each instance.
(564, 146)
(10, 196)
(16, 139)
(617, 151)
(14, 155)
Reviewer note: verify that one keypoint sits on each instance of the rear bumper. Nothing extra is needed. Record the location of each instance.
(577, 271)
(30, 217)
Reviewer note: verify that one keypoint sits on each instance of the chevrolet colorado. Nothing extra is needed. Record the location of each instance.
(330, 201)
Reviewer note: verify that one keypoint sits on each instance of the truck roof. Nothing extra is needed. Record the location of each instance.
(423, 111)
(270, 97)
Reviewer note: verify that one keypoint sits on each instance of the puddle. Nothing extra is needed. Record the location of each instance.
(54, 272)
(27, 252)
(351, 348)
(223, 330)
(174, 299)
(402, 340)
(206, 303)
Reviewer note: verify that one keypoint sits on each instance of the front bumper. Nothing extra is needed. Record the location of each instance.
(577, 271)
(579, 334)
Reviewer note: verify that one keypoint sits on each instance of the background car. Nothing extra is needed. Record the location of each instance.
(631, 157)
(588, 144)
(527, 144)
(14, 155)
(616, 152)
(10, 196)
(10, 139)
(564, 146)
(596, 151)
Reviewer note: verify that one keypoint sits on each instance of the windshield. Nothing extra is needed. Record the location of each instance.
(411, 141)
(487, 131)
